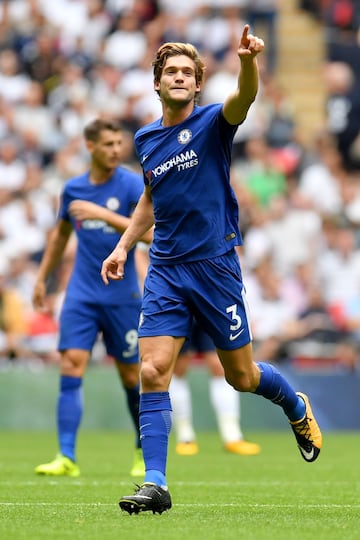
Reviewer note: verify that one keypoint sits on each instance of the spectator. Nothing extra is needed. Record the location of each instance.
(98, 25)
(12, 167)
(43, 333)
(280, 128)
(34, 112)
(294, 232)
(126, 46)
(40, 59)
(264, 13)
(215, 32)
(106, 92)
(343, 109)
(339, 266)
(271, 315)
(12, 321)
(72, 77)
(78, 112)
(318, 334)
(69, 17)
(264, 179)
(13, 82)
(323, 176)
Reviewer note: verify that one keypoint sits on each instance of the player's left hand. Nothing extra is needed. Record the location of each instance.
(113, 265)
(249, 45)
(39, 294)
(81, 210)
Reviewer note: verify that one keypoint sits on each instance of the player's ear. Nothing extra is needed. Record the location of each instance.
(89, 145)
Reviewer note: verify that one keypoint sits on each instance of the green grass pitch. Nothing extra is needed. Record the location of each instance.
(216, 496)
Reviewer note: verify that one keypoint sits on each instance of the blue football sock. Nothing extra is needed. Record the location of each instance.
(155, 426)
(273, 386)
(69, 414)
(133, 402)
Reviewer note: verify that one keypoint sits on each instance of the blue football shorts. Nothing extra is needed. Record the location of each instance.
(81, 323)
(210, 290)
(199, 341)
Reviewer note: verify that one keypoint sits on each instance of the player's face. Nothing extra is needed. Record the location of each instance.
(177, 85)
(106, 151)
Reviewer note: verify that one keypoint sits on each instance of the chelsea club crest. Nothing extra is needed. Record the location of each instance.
(113, 204)
(184, 136)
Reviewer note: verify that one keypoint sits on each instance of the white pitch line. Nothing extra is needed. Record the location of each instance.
(192, 505)
(70, 482)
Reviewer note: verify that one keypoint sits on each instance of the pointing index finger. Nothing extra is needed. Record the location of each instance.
(244, 36)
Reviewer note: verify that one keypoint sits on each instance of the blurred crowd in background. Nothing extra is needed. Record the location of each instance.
(65, 62)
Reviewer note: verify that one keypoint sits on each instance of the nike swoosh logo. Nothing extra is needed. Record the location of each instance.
(140, 497)
(234, 336)
(145, 425)
(307, 455)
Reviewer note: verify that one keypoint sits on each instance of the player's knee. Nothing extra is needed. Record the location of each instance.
(130, 379)
(154, 377)
(73, 362)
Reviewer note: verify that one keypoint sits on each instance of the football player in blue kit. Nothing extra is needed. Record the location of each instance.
(97, 206)
(194, 268)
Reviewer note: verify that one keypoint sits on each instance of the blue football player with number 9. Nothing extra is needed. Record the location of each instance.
(97, 206)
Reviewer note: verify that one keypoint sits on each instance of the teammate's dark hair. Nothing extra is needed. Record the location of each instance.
(93, 129)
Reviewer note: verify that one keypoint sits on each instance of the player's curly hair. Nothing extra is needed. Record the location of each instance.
(175, 49)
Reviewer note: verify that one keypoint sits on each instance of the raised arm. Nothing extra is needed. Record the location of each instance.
(140, 222)
(238, 103)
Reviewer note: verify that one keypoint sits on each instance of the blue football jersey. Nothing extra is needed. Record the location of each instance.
(96, 239)
(187, 167)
